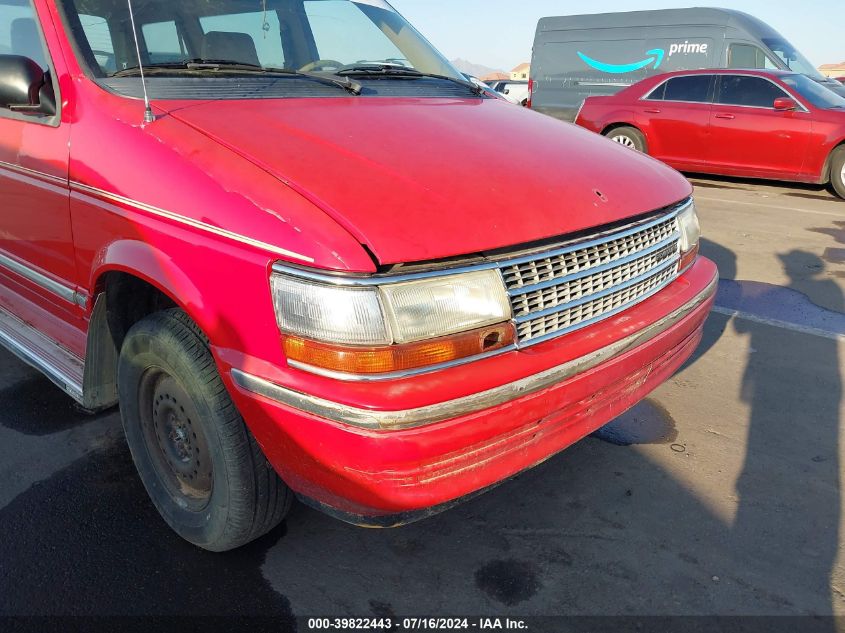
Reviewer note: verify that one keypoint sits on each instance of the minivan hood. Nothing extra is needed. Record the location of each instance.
(427, 179)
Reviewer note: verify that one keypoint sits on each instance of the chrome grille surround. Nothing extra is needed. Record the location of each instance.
(555, 290)
(564, 289)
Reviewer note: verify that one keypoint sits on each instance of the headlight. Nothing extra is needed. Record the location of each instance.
(690, 236)
(420, 310)
(391, 327)
(351, 316)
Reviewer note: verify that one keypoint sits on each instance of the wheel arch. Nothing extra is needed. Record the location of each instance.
(132, 280)
(828, 161)
(153, 267)
(609, 128)
(615, 126)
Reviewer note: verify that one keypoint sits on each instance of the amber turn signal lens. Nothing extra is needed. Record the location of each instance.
(688, 259)
(396, 358)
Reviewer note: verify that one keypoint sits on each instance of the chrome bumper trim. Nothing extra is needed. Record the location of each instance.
(411, 418)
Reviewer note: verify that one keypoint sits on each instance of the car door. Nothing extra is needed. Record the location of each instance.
(749, 137)
(36, 243)
(675, 118)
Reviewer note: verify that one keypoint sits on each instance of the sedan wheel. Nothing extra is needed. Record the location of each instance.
(627, 141)
(629, 137)
(837, 171)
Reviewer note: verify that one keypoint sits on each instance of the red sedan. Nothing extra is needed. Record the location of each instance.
(749, 123)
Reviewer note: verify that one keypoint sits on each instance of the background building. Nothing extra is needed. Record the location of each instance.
(833, 70)
(521, 72)
(495, 77)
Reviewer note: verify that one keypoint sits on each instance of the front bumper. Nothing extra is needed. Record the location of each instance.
(369, 464)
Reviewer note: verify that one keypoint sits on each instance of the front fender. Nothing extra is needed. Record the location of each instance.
(145, 261)
(225, 289)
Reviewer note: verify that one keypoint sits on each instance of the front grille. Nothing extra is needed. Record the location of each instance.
(563, 289)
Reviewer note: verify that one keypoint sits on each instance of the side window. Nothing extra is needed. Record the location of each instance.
(250, 38)
(693, 89)
(163, 42)
(741, 90)
(19, 33)
(97, 31)
(658, 93)
(748, 56)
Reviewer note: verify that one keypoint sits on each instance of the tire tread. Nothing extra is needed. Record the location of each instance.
(837, 161)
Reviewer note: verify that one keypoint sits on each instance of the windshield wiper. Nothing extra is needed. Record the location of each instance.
(391, 70)
(346, 83)
(226, 66)
(188, 64)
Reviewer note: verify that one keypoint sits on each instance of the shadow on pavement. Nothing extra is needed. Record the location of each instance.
(726, 261)
(834, 256)
(87, 541)
(36, 407)
(789, 488)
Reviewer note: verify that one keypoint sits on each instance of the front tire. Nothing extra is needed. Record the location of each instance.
(198, 461)
(837, 171)
(629, 137)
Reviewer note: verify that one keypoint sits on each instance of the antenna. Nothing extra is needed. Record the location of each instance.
(149, 117)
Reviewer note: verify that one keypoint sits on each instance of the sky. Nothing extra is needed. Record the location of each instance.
(500, 33)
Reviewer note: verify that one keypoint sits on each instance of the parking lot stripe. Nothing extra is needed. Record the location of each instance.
(785, 325)
(770, 206)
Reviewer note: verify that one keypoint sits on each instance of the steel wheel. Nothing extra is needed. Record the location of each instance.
(177, 445)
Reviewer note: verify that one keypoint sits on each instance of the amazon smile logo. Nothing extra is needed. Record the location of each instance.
(656, 58)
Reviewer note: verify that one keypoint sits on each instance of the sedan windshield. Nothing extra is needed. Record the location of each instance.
(814, 92)
(219, 38)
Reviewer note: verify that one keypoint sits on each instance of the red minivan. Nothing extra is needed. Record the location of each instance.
(282, 270)
(749, 123)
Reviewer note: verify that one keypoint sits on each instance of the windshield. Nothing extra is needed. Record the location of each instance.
(814, 92)
(322, 36)
(792, 58)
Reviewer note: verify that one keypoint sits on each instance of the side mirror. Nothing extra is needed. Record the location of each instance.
(786, 104)
(22, 81)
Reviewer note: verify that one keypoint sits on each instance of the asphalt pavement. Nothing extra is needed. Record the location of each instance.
(720, 494)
